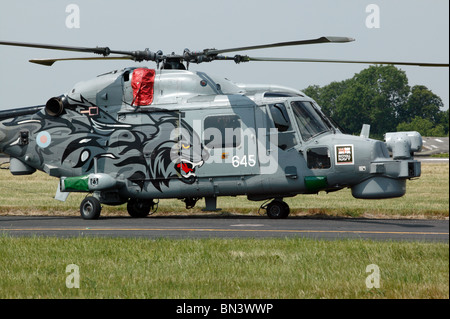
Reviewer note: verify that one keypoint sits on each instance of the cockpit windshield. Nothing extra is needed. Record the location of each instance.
(310, 122)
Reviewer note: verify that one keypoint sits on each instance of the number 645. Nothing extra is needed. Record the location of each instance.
(249, 160)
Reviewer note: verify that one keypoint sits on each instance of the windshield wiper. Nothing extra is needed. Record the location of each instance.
(317, 134)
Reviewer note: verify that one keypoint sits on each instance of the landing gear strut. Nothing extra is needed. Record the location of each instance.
(277, 209)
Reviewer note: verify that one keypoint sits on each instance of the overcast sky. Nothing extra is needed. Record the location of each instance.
(408, 30)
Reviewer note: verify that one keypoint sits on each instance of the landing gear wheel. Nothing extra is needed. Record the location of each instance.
(90, 208)
(139, 208)
(277, 209)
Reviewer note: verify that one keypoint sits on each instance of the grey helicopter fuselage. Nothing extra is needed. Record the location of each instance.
(141, 134)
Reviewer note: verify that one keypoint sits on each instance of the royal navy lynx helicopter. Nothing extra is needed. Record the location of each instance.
(139, 134)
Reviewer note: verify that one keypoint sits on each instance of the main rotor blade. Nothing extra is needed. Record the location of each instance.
(104, 51)
(49, 62)
(282, 44)
(426, 64)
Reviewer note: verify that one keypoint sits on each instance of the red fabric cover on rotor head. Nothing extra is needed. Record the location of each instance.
(142, 83)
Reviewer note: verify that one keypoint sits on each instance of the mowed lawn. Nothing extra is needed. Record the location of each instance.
(221, 268)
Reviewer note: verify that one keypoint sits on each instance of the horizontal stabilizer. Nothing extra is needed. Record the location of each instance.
(61, 196)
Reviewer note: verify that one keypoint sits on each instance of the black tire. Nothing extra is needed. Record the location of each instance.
(277, 209)
(139, 208)
(90, 208)
(286, 209)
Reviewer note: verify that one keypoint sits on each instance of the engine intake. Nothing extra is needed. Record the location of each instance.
(55, 106)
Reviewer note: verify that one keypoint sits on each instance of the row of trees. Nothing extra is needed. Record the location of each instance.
(380, 96)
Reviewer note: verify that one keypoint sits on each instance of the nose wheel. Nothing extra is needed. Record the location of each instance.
(90, 208)
(277, 209)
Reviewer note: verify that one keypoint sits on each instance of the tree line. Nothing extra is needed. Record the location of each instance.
(380, 96)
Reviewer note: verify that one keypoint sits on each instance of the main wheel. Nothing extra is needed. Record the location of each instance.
(139, 208)
(277, 209)
(90, 208)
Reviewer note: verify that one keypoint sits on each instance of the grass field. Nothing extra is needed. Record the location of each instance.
(426, 197)
(221, 268)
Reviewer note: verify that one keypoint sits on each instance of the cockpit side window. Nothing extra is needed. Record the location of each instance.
(280, 117)
(318, 158)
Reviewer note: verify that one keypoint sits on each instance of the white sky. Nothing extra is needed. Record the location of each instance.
(410, 30)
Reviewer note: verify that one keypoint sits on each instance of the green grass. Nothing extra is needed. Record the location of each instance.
(426, 197)
(440, 155)
(221, 268)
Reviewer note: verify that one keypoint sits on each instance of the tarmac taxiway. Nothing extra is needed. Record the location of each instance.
(227, 227)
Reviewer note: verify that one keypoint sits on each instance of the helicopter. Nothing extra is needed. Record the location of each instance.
(137, 135)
